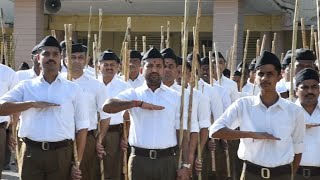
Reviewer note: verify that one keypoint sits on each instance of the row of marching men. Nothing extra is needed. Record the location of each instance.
(54, 113)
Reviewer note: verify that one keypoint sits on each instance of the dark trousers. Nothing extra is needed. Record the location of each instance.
(247, 175)
(113, 160)
(3, 143)
(140, 167)
(37, 164)
(88, 163)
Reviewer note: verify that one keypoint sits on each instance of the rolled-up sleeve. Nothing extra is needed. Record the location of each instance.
(229, 119)
(127, 95)
(298, 132)
(14, 95)
(100, 99)
(204, 112)
(81, 116)
(185, 111)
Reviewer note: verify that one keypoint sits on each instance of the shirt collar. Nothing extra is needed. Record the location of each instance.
(281, 102)
(146, 87)
(58, 78)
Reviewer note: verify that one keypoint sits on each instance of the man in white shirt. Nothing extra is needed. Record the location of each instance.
(248, 89)
(94, 93)
(271, 129)
(200, 104)
(53, 114)
(34, 71)
(8, 80)
(227, 83)
(154, 129)
(135, 77)
(307, 90)
(109, 65)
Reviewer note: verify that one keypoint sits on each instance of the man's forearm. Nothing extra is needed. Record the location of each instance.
(185, 147)
(193, 146)
(204, 134)
(9, 108)
(116, 105)
(229, 134)
(81, 138)
(104, 126)
(296, 163)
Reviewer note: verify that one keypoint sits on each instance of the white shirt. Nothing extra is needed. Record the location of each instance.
(283, 119)
(54, 123)
(311, 138)
(281, 86)
(90, 71)
(139, 81)
(26, 74)
(94, 96)
(247, 90)
(154, 129)
(224, 94)
(231, 86)
(8, 79)
(113, 88)
(195, 106)
(214, 98)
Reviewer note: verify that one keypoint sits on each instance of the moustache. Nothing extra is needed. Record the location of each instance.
(154, 74)
(50, 60)
(310, 95)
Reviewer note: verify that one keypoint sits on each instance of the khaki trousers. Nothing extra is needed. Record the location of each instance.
(37, 164)
(144, 168)
(88, 163)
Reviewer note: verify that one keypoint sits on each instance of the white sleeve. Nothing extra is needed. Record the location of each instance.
(298, 132)
(230, 118)
(101, 97)
(204, 115)
(216, 104)
(14, 95)
(81, 116)
(127, 95)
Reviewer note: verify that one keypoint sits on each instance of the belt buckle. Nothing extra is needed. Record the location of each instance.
(306, 172)
(153, 154)
(265, 173)
(45, 146)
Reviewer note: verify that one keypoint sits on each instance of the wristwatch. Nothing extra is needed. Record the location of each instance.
(186, 166)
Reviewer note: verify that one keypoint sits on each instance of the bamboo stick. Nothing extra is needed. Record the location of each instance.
(293, 49)
(263, 44)
(100, 31)
(144, 44)
(204, 50)
(53, 33)
(162, 38)
(89, 36)
(211, 68)
(303, 34)
(216, 58)
(68, 40)
(129, 32)
(244, 61)
(316, 47)
(136, 43)
(95, 63)
(168, 35)
(234, 49)
(4, 41)
(181, 35)
(311, 38)
(258, 48)
(318, 31)
(281, 58)
(183, 79)
(273, 48)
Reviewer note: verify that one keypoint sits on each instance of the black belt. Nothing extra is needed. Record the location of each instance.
(308, 171)
(266, 172)
(154, 153)
(46, 146)
(115, 128)
(3, 125)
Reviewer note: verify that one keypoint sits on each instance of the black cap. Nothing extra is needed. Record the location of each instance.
(246, 66)
(226, 72)
(190, 58)
(135, 54)
(306, 74)
(108, 55)
(63, 44)
(220, 55)
(151, 54)
(179, 60)
(85, 48)
(236, 73)
(168, 53)
(35, 50)
(305, 54)
(77, 48)
(49, 41)
(204, 61)
(252, 65)
(24, 65)
(287, 58)
(268, 58)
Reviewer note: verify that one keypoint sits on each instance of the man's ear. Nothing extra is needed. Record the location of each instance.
(141, 70)
(38, 57)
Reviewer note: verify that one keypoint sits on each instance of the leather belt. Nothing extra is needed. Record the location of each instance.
(46, 146)
(266, 172)
(115, 128)
(308, 171)
(154, 153)
(89, 133)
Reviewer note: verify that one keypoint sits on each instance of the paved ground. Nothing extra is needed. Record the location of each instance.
(12, 174)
